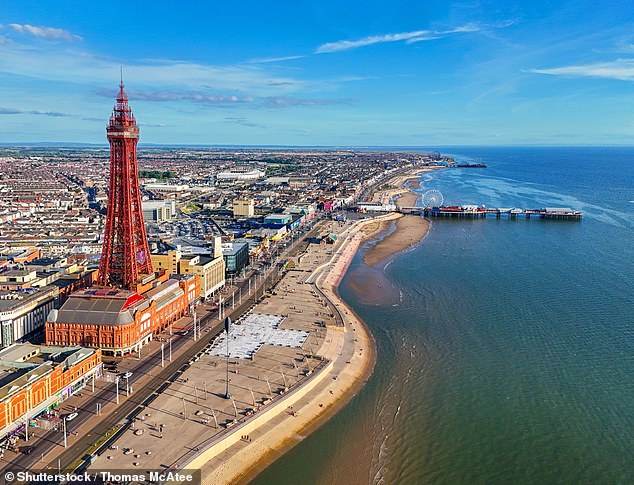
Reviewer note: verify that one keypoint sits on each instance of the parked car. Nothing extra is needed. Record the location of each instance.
(71, 416)
(127, 375)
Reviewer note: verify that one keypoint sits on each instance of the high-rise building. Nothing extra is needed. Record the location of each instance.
(243, 207)
(125, 254)
(142, 303)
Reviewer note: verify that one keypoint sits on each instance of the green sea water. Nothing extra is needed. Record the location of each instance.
(505, 348)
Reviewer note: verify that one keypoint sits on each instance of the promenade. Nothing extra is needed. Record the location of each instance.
(277, 397)
(192, 414)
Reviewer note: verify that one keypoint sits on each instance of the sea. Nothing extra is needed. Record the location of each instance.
(505, 348)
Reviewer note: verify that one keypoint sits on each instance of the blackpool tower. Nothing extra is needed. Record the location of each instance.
(125, 253)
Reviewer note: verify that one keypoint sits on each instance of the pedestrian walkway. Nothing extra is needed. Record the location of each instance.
(248, 335)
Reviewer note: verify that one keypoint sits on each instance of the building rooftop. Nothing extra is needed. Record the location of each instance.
(45, 261)
(10, 300)
(202, 259)
(17, 272)
(278, 217)
(103, 307)
(162, 289)
(18, 353)
(235, 248)
(21, 364)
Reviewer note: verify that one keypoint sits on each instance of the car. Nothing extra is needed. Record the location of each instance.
(71, 416)
(127, 375)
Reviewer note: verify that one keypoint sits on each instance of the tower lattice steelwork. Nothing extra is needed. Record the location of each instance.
(125, 253)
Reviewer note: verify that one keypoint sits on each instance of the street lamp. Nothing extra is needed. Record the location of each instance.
(227, 327)
(64, 423)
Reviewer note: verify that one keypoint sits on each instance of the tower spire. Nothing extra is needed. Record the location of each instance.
(125, 253)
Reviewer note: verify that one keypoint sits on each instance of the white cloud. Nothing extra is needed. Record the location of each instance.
(80, 66)
(17, 111)
(424, 38)
(193, 96)
(621, 69)
(343, 45)
(464, 29)
(409, 37)
(49, 33)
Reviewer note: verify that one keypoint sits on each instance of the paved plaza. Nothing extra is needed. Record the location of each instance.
(249, 334)
(277, 346)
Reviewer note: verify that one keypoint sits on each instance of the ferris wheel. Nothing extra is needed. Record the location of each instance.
(433, 198)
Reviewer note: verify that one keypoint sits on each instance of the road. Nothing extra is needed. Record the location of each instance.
(79, 446)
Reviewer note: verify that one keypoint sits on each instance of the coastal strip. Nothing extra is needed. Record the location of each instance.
(351, 351)
(408, 231)
(232, 436)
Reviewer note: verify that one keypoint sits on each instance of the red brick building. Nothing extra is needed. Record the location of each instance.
(36, 378)
(121, 321)
(132, 302)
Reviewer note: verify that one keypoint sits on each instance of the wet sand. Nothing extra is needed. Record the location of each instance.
(414, 183)
(410, 230)
(407, 200)
(350, 349)
(372, 287)
(375, 228)
(352, 354)
(397, 186)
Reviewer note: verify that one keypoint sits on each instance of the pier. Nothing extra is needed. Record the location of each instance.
(475, 212)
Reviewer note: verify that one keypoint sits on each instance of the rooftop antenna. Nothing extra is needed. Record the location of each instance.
(121, 67)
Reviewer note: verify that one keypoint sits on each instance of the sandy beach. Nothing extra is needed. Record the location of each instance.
(331, 394)
(398, 189)
(349, 348)
(408, 199)
(410, 230)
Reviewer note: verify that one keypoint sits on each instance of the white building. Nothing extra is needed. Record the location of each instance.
(22, 313)
(166, 187)
(158, 210)
(243, 207)
(376, 207)
(239, 175)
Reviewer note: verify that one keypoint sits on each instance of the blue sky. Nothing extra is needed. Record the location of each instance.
(415, 73)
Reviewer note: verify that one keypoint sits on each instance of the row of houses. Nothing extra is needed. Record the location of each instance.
(34, 380)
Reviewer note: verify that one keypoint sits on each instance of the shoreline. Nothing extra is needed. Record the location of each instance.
(407, 230)
(335, 386)
(352, 361)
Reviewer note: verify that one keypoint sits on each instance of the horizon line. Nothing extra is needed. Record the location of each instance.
(247, 145)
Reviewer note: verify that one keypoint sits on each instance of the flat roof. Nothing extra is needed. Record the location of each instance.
(235, 249)
(18, 353)
(22, 364)
(15, 299)
(18, 272)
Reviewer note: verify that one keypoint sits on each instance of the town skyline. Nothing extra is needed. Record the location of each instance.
(424, 75)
